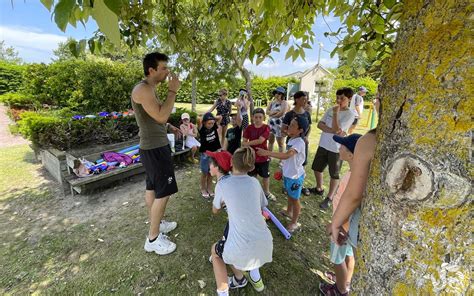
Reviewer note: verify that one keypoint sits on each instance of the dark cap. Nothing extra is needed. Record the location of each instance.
(349, 141)
(208, 116)
(302, 123)
(259, 110)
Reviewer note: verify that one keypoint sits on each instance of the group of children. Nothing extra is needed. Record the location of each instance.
(247, 240)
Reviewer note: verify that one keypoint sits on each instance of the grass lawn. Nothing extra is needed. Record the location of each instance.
(93, 244)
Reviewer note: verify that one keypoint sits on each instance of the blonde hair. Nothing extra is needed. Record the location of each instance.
(243, 159)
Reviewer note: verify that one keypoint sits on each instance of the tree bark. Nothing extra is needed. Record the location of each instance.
(239, 63)
(415, 229)
(193, 93)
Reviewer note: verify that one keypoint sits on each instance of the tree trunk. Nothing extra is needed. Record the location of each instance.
(415, 228)
(239, 63)
(193, 93)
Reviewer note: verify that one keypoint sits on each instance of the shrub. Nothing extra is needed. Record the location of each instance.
(11, 77)
(45, 130)
(355, 83)
(18, 100)
(63, 133)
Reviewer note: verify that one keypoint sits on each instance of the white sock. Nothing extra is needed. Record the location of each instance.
(223, 293)
(255, 274)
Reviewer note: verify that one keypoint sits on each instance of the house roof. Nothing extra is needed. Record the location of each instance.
(316, 67)
(297, 74)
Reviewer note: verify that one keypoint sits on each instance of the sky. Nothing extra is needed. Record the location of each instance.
(29, 28)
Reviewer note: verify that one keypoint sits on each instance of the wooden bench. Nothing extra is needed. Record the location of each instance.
(78, 185)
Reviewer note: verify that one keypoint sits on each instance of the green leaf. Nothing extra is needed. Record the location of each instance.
(289, 53)
(389, 3)
(306, 45)
(62, 11)
(47, 3)
(73, 47)
(91, 43)
(107, 21)
(114, 5)
(260, 59)
(378, 23)
(351, 55)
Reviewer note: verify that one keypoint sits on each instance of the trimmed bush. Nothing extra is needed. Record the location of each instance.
(11, 77)
(18, 100)
(355, 83)
(63, 133)
(49, 131)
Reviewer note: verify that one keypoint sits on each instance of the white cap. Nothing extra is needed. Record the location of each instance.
(185, 115)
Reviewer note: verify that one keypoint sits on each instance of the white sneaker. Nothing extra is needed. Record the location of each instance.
(166, 226)
(161, 246)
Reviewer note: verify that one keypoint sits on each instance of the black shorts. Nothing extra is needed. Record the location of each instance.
(159, 170)
(356, 120)
(323, 158)
(219, 248)
(262, 169)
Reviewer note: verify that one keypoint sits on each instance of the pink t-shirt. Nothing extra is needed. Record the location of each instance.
(337, 196)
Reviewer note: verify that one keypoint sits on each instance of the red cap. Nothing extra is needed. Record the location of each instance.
(223, 159)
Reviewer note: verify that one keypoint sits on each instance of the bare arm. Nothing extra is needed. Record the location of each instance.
(353, 194)
(279, 155)
(259, 141)
(282, 111)
(213, 107)
(144, 95)
(322, 126)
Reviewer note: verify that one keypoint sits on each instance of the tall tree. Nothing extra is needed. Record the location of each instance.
(9, 54)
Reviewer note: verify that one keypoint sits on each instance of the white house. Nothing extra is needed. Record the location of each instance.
(317, 81)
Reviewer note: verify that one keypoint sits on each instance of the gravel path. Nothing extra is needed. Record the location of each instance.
(6, 138)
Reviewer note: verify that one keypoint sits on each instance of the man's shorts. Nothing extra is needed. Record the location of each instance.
(204, 163)
(159, 171)
(356, 120)
(339, 253)
(262, 169)
(323, 158)
(293, 186)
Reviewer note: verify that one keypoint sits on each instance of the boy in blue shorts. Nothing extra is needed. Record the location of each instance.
(342, 256)
(293, 170)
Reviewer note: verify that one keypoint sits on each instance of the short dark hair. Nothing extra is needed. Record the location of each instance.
(151, 60)
(299, 94)
(345, 91)
(216, 164)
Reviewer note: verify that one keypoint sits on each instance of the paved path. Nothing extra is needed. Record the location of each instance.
(6, 138)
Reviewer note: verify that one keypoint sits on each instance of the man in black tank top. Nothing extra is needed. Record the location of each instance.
(155, 153)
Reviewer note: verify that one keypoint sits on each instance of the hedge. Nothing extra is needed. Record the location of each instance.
(18, 100)
(52, 130)
(11, 77)
(355, 83)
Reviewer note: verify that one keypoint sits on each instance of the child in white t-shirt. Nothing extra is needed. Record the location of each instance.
(249, 242)
(293, 170)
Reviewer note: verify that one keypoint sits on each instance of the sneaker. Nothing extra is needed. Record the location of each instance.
(161, 246)
(270, 196)
(166, 226)
(325, 204)
(305, 191)
(331, 290)
(235, 283)
(258, 285)
(316, 191)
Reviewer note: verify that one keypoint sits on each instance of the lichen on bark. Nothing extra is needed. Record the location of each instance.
(410, 244)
